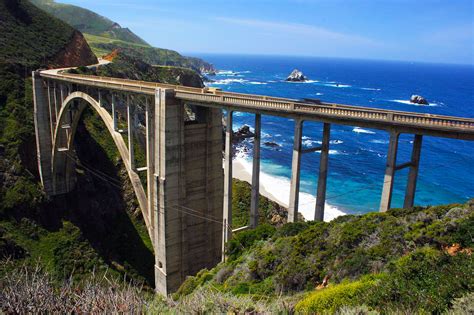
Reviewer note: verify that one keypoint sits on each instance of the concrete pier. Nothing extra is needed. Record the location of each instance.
(389, 177)
(227, 220)
(323, 174)
(130, 127)
(255, 195)
(413, 173)
(295, 172)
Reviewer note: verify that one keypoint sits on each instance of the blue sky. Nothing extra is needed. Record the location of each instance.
(416, 30)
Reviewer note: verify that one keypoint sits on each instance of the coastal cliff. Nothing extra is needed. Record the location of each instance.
(76, 53)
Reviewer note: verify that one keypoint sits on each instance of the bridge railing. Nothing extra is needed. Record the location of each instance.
(262, 102)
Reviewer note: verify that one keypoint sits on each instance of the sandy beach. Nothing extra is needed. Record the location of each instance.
(277, 189)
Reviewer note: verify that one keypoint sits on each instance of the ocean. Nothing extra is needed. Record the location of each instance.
(357, 155)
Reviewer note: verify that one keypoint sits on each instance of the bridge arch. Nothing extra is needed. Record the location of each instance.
(63, 142)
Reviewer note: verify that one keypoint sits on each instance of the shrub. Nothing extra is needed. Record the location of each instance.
(244, 240)
(425, 280)
(335, 297)
(463, 305)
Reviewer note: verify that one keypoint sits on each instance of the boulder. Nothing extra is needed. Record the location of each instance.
(417, 99)
(296, 76)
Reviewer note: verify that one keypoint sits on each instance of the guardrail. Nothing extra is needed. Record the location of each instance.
(268, 103)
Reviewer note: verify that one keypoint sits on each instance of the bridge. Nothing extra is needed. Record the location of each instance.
(186, 196)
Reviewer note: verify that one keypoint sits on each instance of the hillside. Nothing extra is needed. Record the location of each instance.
(105, 36)
(94, 228)
(88, 22)
(30, 37)
(414, 260)
(405, 261)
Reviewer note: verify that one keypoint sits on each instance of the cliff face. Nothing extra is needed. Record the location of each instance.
(76, 53)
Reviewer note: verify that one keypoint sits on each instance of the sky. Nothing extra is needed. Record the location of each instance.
(440, 31)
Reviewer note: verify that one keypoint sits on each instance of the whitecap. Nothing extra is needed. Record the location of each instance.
(228, 81)
(319, 93)
(302, 82)
(257, 83)
(370, 89)
(407, 102)
(309, 143)
(336, 141)
(361, 130)
(379, 141)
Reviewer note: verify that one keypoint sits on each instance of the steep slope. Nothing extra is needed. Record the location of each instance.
(31, 37)
(87, 21)
(402, 263)
(93, 228)
(105, 36)
(410, 260)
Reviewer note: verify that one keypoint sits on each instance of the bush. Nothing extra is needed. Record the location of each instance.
(335, 297)
(425, 280)
(244, 240)
(463, 305)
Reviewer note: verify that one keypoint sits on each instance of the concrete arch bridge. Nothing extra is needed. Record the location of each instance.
(186, 200)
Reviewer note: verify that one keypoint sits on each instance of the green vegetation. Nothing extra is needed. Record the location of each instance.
(29, 36)
(380, 261)
(73, 234)
(87, 21)
(105, 36)
(334, 297)
(125, 66)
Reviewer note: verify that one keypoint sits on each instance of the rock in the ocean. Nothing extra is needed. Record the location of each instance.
(296, 76)
(417, 99)
(271, 144)
(242, 133)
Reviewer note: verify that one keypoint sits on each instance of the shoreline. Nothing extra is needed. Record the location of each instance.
(277, 189)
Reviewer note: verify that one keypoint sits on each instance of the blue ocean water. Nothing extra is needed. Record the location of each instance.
(358, 156)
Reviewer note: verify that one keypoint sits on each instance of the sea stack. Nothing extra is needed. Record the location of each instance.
(417, 99)
(296, 76)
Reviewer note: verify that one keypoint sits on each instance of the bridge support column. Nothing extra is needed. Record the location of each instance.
(55, 91)
(99, 97)
(413, 173)
(114, 112)
(130, 127)
(255, 195)
(168, 176)
(389, 172)
(227, 219)
(323, 174)
(150, 162)
(43, 134)
(295, 172)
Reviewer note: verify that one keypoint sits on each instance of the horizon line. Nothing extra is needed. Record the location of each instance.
(190, 53)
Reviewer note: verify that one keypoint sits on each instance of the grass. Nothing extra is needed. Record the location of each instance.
(87, 21)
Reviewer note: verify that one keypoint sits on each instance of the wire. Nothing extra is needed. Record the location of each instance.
(88, 167)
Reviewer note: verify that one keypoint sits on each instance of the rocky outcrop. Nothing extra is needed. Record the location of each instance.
(242, 133)
(271, 144)
(296, 76)
(417, 99)
(76, 53)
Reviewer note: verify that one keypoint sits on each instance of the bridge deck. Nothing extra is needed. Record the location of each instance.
(407, 122)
